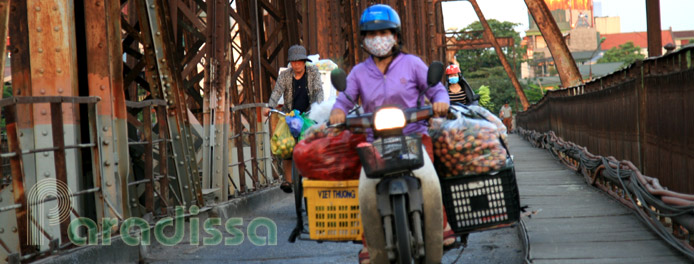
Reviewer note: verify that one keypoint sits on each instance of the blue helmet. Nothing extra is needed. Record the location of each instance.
(379, 17)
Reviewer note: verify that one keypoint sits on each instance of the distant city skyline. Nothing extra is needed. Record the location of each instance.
(632, 13)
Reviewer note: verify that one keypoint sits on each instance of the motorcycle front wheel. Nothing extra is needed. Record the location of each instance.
(402, 229)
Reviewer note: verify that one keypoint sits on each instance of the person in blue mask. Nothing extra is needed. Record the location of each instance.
(459, 90)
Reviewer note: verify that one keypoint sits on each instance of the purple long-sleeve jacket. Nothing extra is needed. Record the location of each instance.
(400, 85)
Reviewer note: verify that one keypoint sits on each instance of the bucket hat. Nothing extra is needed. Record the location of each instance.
(297, 53)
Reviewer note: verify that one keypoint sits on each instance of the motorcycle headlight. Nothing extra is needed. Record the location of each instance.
(389, 118)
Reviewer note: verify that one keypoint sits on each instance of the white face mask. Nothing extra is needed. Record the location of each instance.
(379, 46)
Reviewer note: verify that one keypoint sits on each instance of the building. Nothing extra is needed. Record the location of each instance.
(640, 39)
(683, 38)
(576, 22)
(608, 25)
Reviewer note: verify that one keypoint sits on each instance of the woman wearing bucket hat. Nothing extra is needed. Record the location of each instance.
(301, 86)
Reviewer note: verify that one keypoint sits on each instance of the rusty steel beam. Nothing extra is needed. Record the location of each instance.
(163, 159)
(566, 66)
(208, 99)
(216, 116)
(472, 44)
(262, 51)
(149, 159)
(434, 25)
(489, 35)
(21, 84)
(654, 38)
(59, 159)
(18, 179)
(292, 24)
(243, 8)
(53, 72)
(105, 80)
(259, 81)
(170, 83)
(4, 18)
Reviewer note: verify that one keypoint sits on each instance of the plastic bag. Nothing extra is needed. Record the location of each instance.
(500, 127)
(325, 65)
(306, 125)
(466, 145)
(318, 131)
(328, 154)
(295, 123)
(320, 112)
(282, 142)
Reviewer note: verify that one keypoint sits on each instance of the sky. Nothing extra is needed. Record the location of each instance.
(673, 13)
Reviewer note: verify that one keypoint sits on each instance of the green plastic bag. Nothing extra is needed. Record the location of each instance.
(282, 142)
(307, 123)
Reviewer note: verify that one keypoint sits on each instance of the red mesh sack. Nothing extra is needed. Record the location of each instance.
(332, 157)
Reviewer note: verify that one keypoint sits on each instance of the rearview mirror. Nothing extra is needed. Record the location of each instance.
(338, 78)
(435, 73)
(434, 76)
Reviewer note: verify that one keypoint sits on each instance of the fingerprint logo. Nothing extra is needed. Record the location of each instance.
(43, 191)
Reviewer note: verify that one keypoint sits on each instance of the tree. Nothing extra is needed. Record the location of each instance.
(627, 53)
(473, 60)
(6, 93)
(485, 98)
(482, 68)
(500, 87)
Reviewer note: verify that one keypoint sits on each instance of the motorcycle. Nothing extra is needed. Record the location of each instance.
(399, 192)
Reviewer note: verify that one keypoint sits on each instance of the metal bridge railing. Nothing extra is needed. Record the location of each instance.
(641, 113)
(669, 214)
(40, 200)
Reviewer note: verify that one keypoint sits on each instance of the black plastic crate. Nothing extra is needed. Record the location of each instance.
(483, 201)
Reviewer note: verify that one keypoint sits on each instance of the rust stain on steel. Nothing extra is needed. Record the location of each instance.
(104, 78)
(254, 150)
(471, 44)
(566, 66)
(217, 96)
(53, 58)
(4, 18)
(209, 93)
(98, 76)
(17, 167)
(323, 27)
(113, 28)
(489, 35)
(165, 54)
(653, 24)
(60, 160)
(163, 157)
(149, 163)
(97, 171)
(21, 64)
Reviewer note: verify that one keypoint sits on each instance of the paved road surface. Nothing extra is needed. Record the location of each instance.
(499, 246)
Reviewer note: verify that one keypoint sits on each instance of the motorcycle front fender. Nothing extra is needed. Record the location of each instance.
(432, 214)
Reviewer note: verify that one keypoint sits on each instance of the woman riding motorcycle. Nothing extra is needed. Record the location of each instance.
(391, 77)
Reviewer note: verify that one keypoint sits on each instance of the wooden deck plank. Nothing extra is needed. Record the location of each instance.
(576, 222)
(630, 260)
(594, 250)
